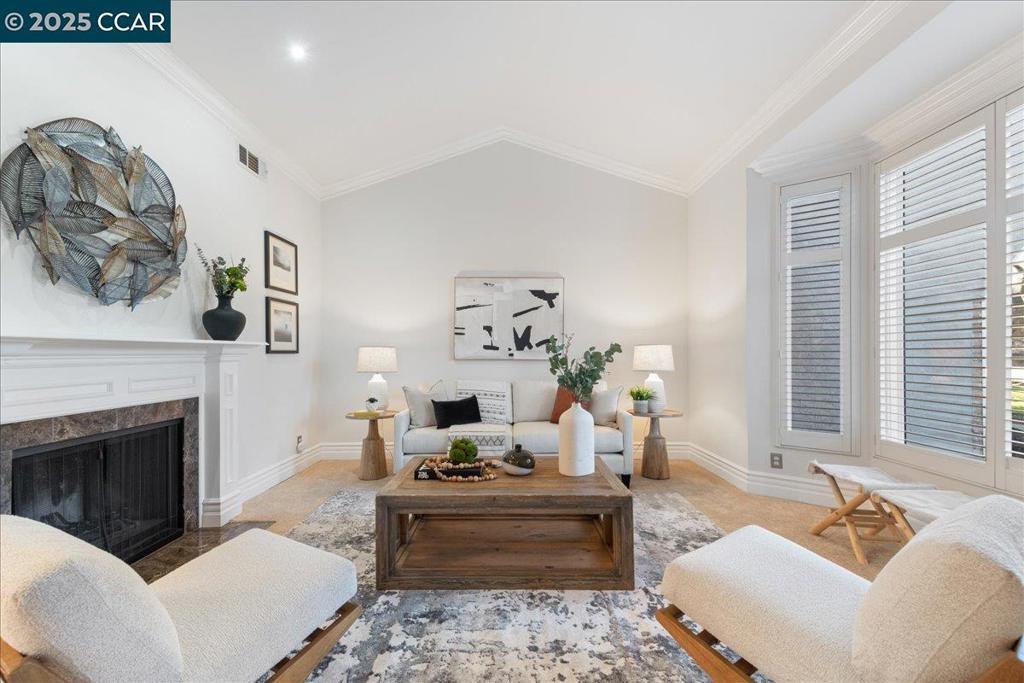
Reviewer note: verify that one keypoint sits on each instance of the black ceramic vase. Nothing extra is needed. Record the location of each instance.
(223, 323)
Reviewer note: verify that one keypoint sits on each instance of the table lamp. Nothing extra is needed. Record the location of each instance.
(377, 359)
(652, 358)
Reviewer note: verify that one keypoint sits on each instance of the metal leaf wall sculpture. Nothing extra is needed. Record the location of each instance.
(100, 215)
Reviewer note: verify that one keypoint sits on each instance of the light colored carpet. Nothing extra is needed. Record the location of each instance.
(515, 636)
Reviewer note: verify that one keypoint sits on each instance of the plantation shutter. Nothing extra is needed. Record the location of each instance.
(933, 293)
(815, 223)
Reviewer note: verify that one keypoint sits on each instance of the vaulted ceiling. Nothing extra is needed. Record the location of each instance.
(659, 92)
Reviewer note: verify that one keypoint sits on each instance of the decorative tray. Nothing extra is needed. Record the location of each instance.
(443, 469)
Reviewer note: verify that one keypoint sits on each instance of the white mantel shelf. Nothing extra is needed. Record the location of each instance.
(43, 377)
(17, 344)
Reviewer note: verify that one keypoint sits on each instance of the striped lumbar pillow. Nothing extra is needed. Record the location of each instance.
(495, 399)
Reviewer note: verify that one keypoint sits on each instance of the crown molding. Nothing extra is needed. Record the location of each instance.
(995, 75)
(853, 149)
(863, 26)
(505, 134)
(188, 81)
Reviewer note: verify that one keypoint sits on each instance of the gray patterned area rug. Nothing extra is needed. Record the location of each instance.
(514, 636)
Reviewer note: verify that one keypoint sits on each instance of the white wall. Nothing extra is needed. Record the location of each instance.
(392, 250)
(716, 268)
(227, 210)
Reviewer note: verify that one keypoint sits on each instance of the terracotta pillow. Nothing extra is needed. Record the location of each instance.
(563, 401)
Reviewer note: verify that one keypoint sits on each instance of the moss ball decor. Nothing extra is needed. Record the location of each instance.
(462, 451)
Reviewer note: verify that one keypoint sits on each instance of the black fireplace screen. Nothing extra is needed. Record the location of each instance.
(120, 491)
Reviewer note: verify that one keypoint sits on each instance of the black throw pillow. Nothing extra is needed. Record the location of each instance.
(462, 412)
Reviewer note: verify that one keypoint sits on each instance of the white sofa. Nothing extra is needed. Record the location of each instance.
(532, 404)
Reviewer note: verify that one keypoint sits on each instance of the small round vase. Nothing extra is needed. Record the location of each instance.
(224, 323)
(576, 442)
(640, 407)
(518, 462)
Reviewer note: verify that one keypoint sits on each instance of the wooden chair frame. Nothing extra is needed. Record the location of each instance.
(846, 513)
(898, 514)
(17, 668)
(700, 646)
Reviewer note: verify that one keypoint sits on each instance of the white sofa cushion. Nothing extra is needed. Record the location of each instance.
(240, 607)
(951, 602)
(532, 400)
(542, 437)
(424, 440)
(420, 403)
(604, 406)
(81, 608)
(494, 398)
(787, 610)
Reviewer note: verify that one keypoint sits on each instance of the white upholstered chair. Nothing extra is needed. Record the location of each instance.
(72, 612)
(948, 607)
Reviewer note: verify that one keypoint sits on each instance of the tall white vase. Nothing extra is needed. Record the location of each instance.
(576, 442)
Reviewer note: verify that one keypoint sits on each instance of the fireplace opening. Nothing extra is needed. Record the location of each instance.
(120, 491)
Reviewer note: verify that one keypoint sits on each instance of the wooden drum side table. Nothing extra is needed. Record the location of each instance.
(373, 462)
(655, 462)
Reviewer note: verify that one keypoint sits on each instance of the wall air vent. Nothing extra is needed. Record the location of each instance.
(251, 161)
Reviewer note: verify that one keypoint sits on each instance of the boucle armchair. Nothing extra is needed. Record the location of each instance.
(72, 612)
(949, 606)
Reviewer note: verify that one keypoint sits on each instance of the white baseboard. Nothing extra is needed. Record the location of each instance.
(803, 489)
(786, 486)
(346, 450)
(219, 511)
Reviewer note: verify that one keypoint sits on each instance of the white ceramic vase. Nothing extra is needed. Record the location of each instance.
(576, 442)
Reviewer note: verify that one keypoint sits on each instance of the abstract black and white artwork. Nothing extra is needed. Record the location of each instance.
(506, 317)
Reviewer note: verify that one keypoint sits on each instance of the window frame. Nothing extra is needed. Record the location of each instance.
(971, 470)
(846, 183)
(1009, 471)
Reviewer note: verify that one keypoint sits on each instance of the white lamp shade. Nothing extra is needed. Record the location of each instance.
(377, 359)
(653, 357)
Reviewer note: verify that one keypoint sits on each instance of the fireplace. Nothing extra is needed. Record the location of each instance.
(120, 491)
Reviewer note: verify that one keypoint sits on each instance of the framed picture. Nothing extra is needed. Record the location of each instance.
(282, 326)
(280, 263)
(506, 318)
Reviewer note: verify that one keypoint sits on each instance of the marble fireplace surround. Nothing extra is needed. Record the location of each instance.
(121, 379)
(52, 430)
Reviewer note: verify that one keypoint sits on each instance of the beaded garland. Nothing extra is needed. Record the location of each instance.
(442, 465)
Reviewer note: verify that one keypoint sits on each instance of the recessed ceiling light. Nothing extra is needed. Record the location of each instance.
(298, 52)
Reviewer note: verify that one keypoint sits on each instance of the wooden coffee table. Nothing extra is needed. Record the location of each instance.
(543, 531)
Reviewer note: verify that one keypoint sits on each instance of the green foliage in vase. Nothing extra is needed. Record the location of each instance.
(641, 394)
(462, 450)
(226, 279)
(578, 375)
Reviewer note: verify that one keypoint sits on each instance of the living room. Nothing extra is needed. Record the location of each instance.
(517, 341)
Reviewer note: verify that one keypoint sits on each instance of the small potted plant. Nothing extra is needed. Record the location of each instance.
(224, 323)
(371, 404)
(640, 396)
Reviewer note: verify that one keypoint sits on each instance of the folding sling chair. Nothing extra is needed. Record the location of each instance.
(925, 505)
(847, 512)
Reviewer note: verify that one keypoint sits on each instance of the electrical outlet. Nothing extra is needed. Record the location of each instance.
(776, 461)
(298, 443)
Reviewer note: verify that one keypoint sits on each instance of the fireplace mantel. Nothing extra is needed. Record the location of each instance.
(43, 377)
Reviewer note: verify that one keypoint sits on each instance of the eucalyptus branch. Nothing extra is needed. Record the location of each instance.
(578, 375)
